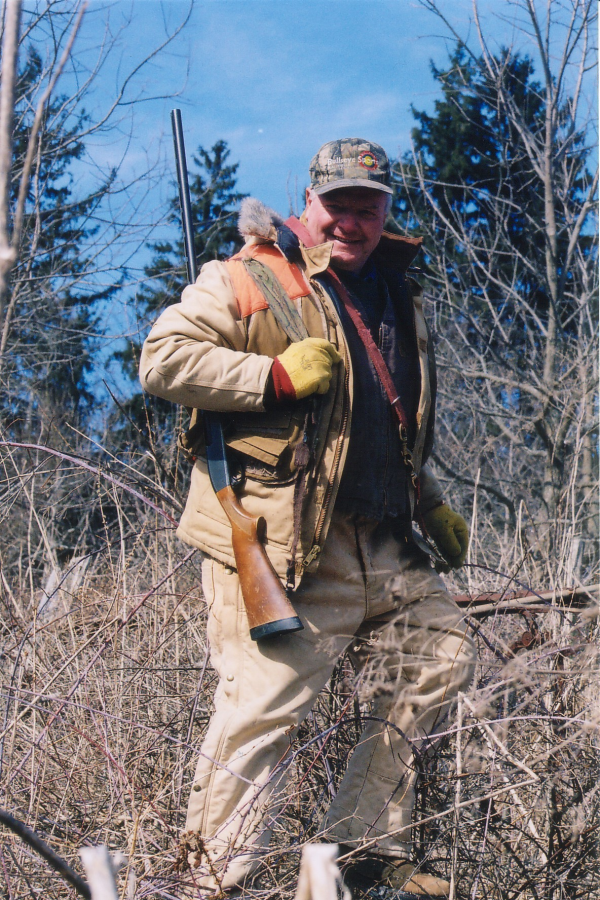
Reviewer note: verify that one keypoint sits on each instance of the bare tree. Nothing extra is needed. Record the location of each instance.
(68, 223)
(10, 43)
(105, 672)
(511, 261)
(502, 182)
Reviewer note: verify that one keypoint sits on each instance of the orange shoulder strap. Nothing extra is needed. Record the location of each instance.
(248, 295)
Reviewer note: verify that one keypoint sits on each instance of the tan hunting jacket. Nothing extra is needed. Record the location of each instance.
(214, 351)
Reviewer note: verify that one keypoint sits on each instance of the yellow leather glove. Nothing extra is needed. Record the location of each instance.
(304, 368)
(450, 533)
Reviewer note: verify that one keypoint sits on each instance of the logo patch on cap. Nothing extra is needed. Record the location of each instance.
(367, 160)
(350, 162)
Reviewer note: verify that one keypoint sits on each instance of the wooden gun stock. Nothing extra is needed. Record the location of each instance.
(268, 608)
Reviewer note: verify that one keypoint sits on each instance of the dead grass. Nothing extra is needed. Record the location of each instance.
(107, 693)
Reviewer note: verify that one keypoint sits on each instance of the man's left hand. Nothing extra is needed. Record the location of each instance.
(450, 533)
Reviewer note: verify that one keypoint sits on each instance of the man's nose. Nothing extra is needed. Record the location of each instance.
(348, 222)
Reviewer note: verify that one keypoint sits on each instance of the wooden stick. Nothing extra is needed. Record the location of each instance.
(100, 869)
(515, 601)
(53, 859)
(319, 876)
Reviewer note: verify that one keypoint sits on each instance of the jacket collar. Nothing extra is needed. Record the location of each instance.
(394, 251)
(316, 259)
(258, 223)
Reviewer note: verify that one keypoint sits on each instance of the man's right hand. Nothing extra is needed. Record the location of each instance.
(304, 368)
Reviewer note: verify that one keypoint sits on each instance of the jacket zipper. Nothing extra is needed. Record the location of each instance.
(316, 547)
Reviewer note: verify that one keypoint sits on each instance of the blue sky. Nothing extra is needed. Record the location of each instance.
(275, 78)
(276, 85)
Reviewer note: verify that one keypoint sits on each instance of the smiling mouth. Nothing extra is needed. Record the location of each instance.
(341, 240)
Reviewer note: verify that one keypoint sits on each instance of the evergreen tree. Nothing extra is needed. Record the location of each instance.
(52, 316)
(478, 172)
(214, 201)
(50, 328)
(214, 213)
(498, 184)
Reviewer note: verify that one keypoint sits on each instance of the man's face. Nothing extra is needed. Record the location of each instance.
(351, 218)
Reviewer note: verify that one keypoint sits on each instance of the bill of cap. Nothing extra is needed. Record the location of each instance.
(352, 183)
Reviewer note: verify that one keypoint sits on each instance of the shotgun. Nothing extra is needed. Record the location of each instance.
(269, 611)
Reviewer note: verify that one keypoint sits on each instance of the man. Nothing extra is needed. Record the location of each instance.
(338, 515)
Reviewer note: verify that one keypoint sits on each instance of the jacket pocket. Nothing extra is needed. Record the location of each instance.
(263, 444)
(192, 441)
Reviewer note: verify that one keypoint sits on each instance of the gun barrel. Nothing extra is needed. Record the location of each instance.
(184, 195)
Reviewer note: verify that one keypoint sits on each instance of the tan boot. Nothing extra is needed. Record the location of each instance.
(227, 881)
(362, 873)
(404, 876)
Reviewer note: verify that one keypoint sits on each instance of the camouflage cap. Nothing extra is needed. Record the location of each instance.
(350, 162)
